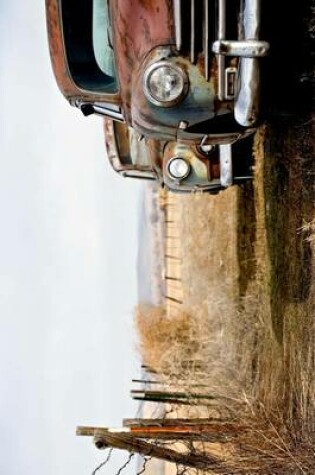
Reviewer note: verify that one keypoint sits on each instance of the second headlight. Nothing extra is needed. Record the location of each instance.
(165, 84)
(178, 168)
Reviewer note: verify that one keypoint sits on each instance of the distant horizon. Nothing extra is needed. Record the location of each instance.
(149, 258)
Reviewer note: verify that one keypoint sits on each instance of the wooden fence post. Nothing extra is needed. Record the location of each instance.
(104, 438)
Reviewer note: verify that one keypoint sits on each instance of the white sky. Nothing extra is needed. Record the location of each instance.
(68, 248)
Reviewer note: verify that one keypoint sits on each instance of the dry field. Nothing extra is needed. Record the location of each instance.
(241, 322)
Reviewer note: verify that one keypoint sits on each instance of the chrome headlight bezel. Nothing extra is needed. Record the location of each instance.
(182, 176)
(181, 74)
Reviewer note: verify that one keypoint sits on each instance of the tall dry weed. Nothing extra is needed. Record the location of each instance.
(196, 348)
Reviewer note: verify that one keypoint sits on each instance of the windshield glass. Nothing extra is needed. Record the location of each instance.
(86, 29)
(102, 38)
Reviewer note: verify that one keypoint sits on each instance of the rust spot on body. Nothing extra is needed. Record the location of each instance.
(139, 27)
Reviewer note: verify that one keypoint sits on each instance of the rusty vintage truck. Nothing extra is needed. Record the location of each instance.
(179, 77)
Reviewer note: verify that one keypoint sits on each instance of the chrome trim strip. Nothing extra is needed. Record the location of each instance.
(226, 169)
(206, 38)
(221, 77)
(103, 111)
(146, 175)
(112, 111)
(192, 31)
(222, 20)
(177, 5)
(220, 58)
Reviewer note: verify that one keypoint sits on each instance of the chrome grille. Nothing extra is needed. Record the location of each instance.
(206, 38)
(200, 23)
(228, 30)
(178, 23)
(221, 58)
(194, 29)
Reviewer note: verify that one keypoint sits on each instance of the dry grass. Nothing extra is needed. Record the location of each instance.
(247, 329)
(168, 345)
(201, 334)
(308, 229)
(187, 350)
(209, 339)
(284, 203)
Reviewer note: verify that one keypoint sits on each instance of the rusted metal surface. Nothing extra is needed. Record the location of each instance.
(198, 105)
(211, 164)
(111, 146)
(56, 46)
(205, 171)
(139, 27)
(144, 33)
(127, 156)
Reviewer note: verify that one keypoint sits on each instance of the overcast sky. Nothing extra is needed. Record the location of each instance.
(68, 248)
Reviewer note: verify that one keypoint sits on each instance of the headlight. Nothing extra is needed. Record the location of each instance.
(178, 168)
(165, 84)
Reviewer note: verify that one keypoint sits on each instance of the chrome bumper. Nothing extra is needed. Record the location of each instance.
(248, 47)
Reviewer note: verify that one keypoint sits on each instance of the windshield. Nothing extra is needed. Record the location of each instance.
(103, 50)
(86, 27)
